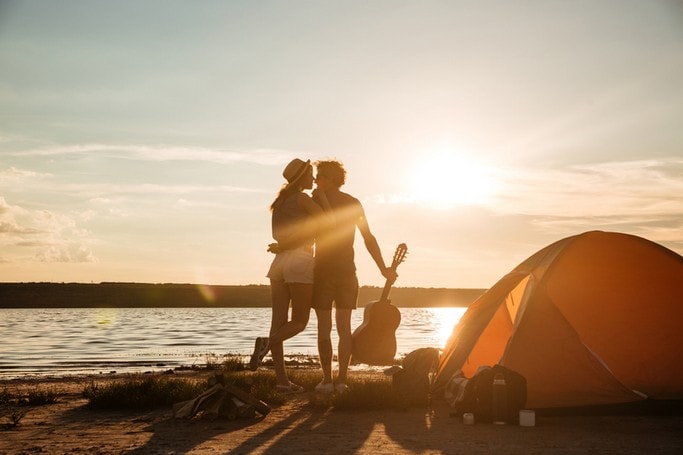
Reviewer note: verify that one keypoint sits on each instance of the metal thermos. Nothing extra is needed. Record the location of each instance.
(499, 401)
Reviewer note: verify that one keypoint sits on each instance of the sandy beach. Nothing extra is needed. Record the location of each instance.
(303, 425)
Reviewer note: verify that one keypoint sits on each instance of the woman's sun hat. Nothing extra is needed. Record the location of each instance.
(295, 170)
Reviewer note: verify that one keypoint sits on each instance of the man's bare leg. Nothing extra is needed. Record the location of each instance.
(343, 320)
(325, 343)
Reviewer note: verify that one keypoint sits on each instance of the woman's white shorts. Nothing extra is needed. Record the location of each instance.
(292, 266)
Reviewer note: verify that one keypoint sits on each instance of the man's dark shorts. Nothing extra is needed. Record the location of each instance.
(340, 288)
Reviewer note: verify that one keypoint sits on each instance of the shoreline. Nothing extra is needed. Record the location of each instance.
(292, 361)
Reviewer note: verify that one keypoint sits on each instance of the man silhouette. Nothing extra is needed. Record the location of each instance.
(335, 278)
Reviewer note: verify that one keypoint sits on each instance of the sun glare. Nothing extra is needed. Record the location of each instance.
(105, 317)
(444, 179)
(446, 320)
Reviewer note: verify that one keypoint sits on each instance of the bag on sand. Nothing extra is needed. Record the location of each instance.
(412, 378)
(475, 394)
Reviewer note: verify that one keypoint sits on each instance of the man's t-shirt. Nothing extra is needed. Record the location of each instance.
(334, 247)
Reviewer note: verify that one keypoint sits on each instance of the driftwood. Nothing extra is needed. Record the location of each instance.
(222, 400)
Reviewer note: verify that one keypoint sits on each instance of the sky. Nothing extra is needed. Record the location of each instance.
(145, 141)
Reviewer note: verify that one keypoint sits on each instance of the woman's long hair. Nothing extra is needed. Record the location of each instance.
(287, 190)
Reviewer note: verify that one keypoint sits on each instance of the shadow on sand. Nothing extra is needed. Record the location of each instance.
(171, 435)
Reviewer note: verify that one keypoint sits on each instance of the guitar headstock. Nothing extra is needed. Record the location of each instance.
(399, 255)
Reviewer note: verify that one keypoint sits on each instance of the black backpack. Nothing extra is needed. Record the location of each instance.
(478, 394)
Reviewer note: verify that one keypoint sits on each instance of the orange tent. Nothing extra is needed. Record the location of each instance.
(596, 318)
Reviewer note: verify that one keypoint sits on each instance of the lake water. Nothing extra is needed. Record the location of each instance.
(64, 341)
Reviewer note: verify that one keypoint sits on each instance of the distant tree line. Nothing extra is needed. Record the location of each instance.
(167, 295)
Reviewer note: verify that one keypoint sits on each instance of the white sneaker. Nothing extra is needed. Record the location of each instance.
(289, 388)
(325, 387)
(341, 388)
(260, 350)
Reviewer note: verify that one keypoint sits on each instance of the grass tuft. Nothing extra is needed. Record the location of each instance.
(225, 363)
(233, 364)
(39, 397)
(11, 404)
(5, 397)
(366, 391)
(13, 415)
(141, 393)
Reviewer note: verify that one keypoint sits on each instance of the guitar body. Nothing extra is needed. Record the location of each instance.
(374, 341)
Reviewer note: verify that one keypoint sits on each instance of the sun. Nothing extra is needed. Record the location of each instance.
(444, 178)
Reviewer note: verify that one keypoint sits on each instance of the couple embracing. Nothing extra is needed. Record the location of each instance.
(324, 223)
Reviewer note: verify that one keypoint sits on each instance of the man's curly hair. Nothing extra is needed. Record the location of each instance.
(332, 170)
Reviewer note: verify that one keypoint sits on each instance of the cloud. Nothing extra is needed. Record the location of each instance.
(14, 174)
(41, 235)
(69, 252)
(9, 227)
(642, 197)
(268, 157)
(104, 194)
(5, 208)
(637, 189)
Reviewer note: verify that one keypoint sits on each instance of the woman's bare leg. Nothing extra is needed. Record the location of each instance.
(280, 297)
(301, 296)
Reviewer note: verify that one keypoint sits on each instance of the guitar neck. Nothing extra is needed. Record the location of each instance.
(385, 292)
(398, 258)
(387, 285)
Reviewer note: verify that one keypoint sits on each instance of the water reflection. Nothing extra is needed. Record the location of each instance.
(59, 341)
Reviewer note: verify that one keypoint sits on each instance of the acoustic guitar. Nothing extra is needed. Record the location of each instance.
(374, 341)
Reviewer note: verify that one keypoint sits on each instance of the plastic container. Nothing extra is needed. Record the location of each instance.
(468, 418)
(527, 418)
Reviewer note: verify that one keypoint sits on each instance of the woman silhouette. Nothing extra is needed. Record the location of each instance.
(295, 221)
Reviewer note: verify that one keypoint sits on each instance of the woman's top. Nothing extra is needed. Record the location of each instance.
(292, 225)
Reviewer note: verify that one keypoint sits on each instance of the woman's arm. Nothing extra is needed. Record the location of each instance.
(317, 220)
(319, 208)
